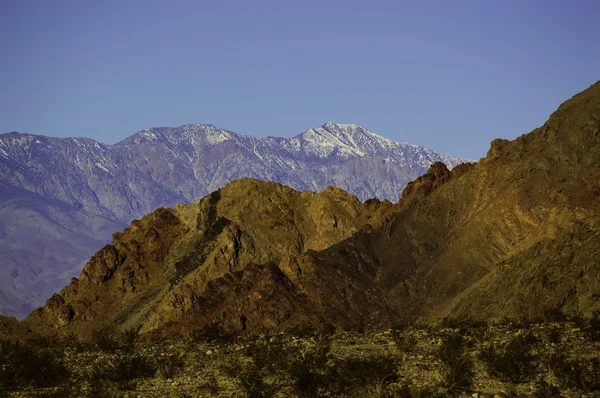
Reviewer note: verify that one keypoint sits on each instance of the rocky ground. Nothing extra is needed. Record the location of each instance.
(453, 358)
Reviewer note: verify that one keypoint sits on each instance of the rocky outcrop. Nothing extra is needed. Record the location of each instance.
(11, 329)
(231, 258)
(62, 198)
(513, 236)
(437, 175)
(483, 242)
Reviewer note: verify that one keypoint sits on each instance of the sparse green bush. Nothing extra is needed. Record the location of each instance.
(578, 321)
(458, 375)
(406, 341)
(305, 330)
(211, 386)
(255, 386)
(543, 389)
(402, 323)
(465, 325)
(100, 388)
(592, 329)
(213, 333)
(127, 339)
(110, 339)
(301, 331)
(169, 365)
(375, 374)
(267, 359)
(124, 368)
(311, 368)
(553, 335)
(104, 339)
(38, 363)
(574, 373)
(552, 315)
(511, 361)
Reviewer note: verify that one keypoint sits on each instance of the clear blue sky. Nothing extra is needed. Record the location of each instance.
(449, 75)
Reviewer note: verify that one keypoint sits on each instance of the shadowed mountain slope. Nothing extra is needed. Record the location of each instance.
(10, 329)
(232, 258)
(513, 209)
(80, 191)
(512, 236)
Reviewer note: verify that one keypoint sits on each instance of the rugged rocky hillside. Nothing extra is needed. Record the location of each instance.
(10, 328)
(514, 236)
(79, 191)
(231, 258)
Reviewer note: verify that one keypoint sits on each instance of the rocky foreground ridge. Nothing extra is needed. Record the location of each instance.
(514, 236)
(62, 198)
(231, 258)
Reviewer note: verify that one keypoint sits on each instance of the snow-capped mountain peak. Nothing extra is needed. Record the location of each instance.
(77, 186)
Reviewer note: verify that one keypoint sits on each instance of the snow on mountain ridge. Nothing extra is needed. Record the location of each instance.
(77, 186)
(185, 147)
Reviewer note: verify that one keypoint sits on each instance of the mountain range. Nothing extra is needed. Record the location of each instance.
(515, 236)
(61, 199)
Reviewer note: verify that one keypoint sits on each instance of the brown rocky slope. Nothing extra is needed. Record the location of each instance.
(231, 258)
(513, 236)
(509, 219)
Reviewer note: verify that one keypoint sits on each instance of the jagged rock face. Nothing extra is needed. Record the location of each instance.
(560, 273)
(11, 329)
(507, 215)
(232, 257)
(437, 175)
(81, 191)
(512, 236)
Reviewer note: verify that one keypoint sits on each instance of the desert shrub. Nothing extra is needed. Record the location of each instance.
(104, 339)
(169, 365)
(255, 385)
(510, 361)
(267, 352)
(213, 333)
(266, 360)
(543, 389)
(582, 374)
(301, 331)
(553, 335)
(311, 368)
(458, 375)
(464, 324)
(75, 343)
(375, 374)
(110, 339)
(124, 368)
(99, 388)
(402, 323)
(406, 341)
(210, 385)
(306, 330)
(129, 367)
(407, 389)
(578, 321)
(553, 315)
(592, 329)
(38, 363)
(127, 339)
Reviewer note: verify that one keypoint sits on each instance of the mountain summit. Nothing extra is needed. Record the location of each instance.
(62, 198)
(515, 236)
